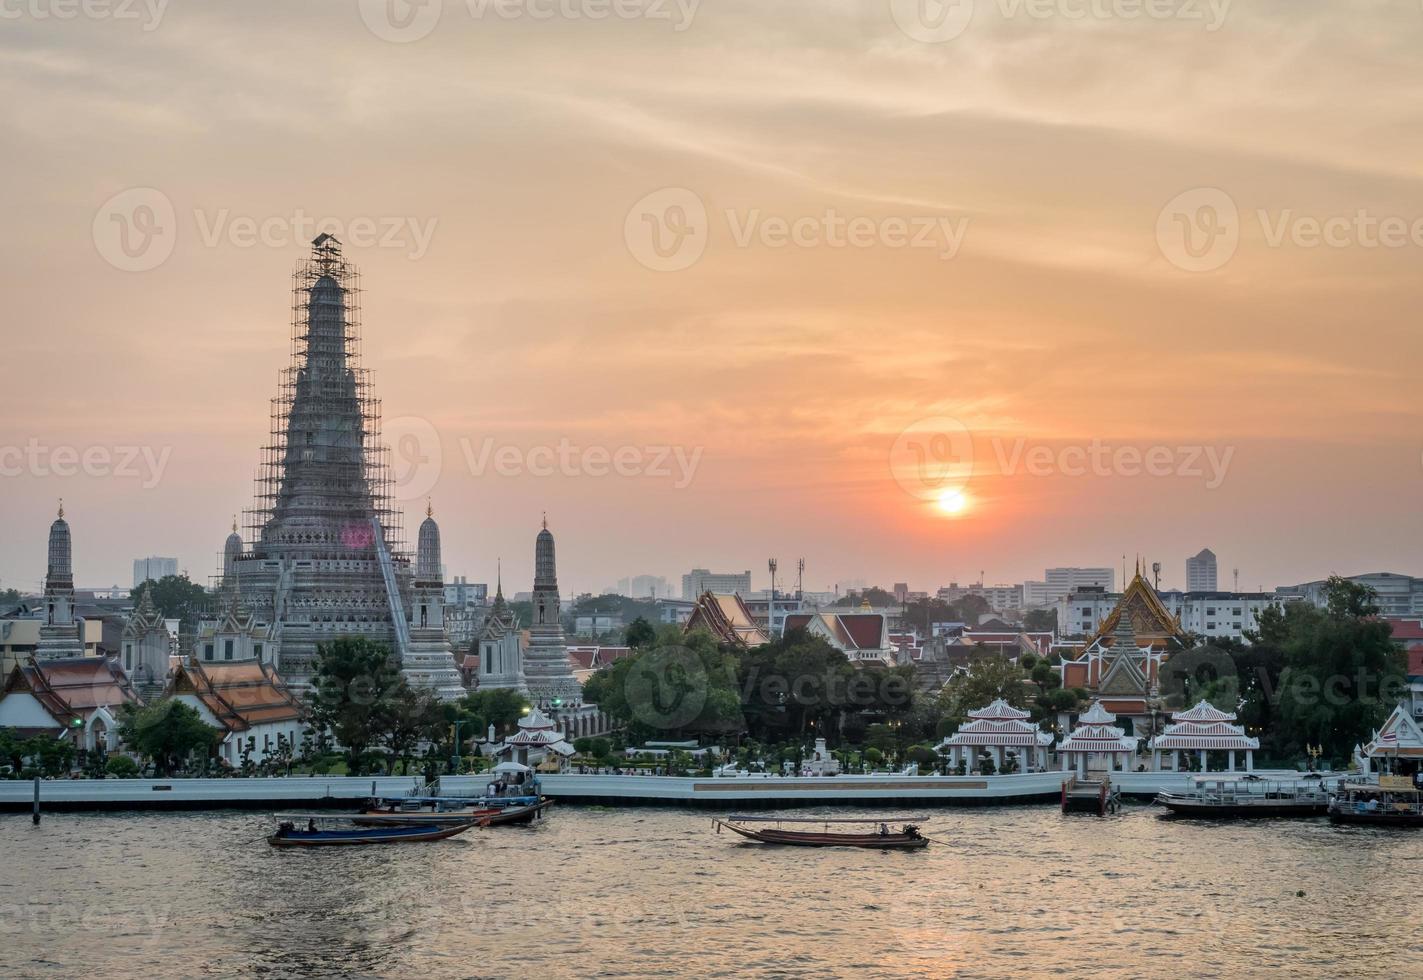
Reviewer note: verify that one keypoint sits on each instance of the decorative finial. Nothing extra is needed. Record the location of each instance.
(61, 506)
(498, 576)
(429, 507)
(545, 520)
(234, 523)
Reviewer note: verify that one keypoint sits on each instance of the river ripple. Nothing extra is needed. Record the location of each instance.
(654, 893)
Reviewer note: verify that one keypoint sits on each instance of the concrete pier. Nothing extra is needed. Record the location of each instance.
(738, 792)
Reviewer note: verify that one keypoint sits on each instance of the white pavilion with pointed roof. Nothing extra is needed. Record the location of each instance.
(1398, 738)
(1095, 735)
(998, 729)
(1203, 728)
(537, 739)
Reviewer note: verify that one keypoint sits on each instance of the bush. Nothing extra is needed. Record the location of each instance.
(121, 767)
(986, 765)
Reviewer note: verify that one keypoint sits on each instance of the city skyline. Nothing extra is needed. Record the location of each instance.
(512, 308)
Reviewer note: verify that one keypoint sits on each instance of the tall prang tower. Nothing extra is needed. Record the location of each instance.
(324, 557)
(547, 671)
(59, 633)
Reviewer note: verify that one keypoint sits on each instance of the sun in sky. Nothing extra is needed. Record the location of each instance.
(952, 502)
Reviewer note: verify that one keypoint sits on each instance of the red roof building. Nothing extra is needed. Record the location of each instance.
(862, 637)
(726, 617)
(73, 697)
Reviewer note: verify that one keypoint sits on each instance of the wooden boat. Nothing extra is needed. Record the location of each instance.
(288, 836)
(1247, 796)
(905, 839)
(1391, 802)
(527, 813)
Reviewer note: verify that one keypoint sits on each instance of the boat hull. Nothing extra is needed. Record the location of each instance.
(1379, 819)
(516, 815)
(356, 838)
(794, 838)
(1229, 811)
(382, 818)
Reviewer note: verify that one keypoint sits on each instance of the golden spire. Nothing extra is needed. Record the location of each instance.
(234, 523)
(61, 506)
(429, 507)
(545, 520)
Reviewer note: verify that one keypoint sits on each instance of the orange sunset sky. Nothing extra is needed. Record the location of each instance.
(1142, 265)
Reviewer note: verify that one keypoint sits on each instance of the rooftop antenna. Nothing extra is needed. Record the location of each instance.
(799, 577)
(1235, 572)
(1156, 575)
(771, 609)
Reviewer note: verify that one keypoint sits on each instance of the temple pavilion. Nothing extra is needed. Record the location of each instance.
(1397, 747)
(1094, 736)
(538, 740)
(1120, 663)
(997, 730)
(1204, 728)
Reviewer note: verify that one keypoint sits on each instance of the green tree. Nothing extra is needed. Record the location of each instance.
(1342, 674)
(170, 733)
(415, 717)
(678, 685)
(177, 597)
(987, 679)
(500, 707)
(121, 767)
(639, 634)
(1041, 620)
(354, 691)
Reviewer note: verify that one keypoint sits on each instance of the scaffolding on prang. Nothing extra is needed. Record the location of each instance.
(324, 472)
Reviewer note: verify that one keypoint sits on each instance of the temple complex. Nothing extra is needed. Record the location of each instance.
(997, 730)
(78, 698)
(726, 617)
(147, 647)
(246, 702)
(863, 637)
(1202, 729)
(1095, 736)
(324, 559)
(501, 658)
(59, 635)
(1120, 663)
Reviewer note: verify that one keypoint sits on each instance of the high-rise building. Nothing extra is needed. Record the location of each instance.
(1058, 582)
(153, 568)
(325, 557)
(700, 580)
(1201, 572)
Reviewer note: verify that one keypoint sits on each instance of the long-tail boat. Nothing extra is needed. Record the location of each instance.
(288, 835)
(1393, 801)
(906, 838)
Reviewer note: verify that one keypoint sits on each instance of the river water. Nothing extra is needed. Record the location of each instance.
(655, 893)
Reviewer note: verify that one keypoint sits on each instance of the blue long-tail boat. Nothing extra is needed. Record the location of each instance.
(288, 835)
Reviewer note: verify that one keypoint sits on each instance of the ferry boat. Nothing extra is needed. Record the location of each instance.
(1393, 801)
(1248, 796)
(907, 838)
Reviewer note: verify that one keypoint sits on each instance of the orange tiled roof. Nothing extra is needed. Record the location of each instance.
(73, 687)
(239, 695)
